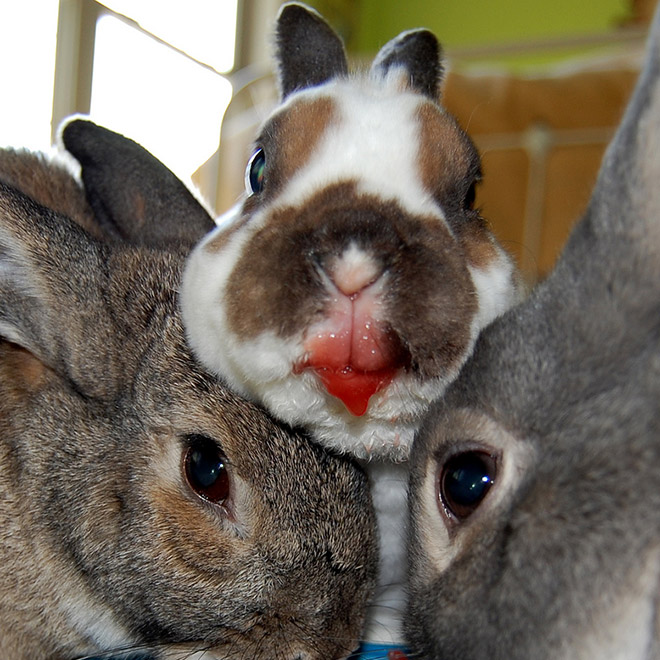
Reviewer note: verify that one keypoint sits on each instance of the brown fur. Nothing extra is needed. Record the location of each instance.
(447, 159)
(290, 137)
(449, 164)
(478, 245)
(47, 183)
(98, 397)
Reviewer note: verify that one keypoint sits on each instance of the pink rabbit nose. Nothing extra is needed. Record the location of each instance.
(354, 271)
(352, 349)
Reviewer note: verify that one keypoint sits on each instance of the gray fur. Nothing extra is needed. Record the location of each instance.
(103, 545)
(562, 557)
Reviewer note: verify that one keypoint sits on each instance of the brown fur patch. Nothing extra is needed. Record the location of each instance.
(288, 140)
(447, 159)
(48, 183)
(449, 166)
(21, 369)
(290, 137)
(479, 245)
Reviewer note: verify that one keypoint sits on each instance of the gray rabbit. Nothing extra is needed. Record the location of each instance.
(143, 505)
(535, 487)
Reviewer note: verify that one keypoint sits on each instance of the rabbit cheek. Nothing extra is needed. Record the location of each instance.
(438, 333)
(496, 280)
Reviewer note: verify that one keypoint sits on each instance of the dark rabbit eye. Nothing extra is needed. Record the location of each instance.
(464, 481)
(255, 172)
(470, 197)
(205, 468)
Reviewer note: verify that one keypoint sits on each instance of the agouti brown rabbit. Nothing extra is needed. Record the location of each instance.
(143, 505)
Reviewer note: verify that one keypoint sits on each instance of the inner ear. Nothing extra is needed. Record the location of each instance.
(309, 52)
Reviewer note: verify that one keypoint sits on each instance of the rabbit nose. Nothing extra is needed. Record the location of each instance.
(354, 270)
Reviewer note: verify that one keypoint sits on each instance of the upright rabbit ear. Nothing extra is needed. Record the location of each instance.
(626, 199)
(419, 56)
(135, 198)
(309, 52)
(607, 279)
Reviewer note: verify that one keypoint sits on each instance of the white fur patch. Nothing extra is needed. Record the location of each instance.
(495, 288)
(375, 142)
(389, 491)
(94, 622)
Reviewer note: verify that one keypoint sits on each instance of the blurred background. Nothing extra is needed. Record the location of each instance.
(540, 87)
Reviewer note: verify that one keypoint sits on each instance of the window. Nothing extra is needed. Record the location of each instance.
(28, 32)
(156, 76)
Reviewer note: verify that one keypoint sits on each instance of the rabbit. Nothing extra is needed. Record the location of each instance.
(145, 508)
(534, 498)
(348, 286)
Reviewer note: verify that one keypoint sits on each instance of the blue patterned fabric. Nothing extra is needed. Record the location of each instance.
(370, 651)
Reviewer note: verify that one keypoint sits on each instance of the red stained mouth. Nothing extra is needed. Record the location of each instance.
(354, 388)
(353, 361)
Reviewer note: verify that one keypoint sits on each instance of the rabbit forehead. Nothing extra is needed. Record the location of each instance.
(374, 140)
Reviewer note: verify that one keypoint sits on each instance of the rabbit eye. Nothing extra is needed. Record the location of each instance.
(205, 468)
(470, 197)
(464, 481)
(255, 172)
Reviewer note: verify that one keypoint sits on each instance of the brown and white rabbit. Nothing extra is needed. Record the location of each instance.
(347, 289)
(535, 487)
(143, 505)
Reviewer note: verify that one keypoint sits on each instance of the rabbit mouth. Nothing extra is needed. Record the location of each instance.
(353, 387)
(354, 353)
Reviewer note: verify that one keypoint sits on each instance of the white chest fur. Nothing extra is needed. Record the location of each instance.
(389, 485)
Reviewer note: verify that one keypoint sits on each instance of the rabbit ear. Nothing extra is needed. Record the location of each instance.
(419, 55)
(47, 267)
(607, 280)
(600, 303)
(309, 52)
(133, 195)
(626, 199)
(57, 285)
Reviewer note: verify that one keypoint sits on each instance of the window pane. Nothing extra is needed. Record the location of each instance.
(157, 96)
(27, 50)
(205, 29)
